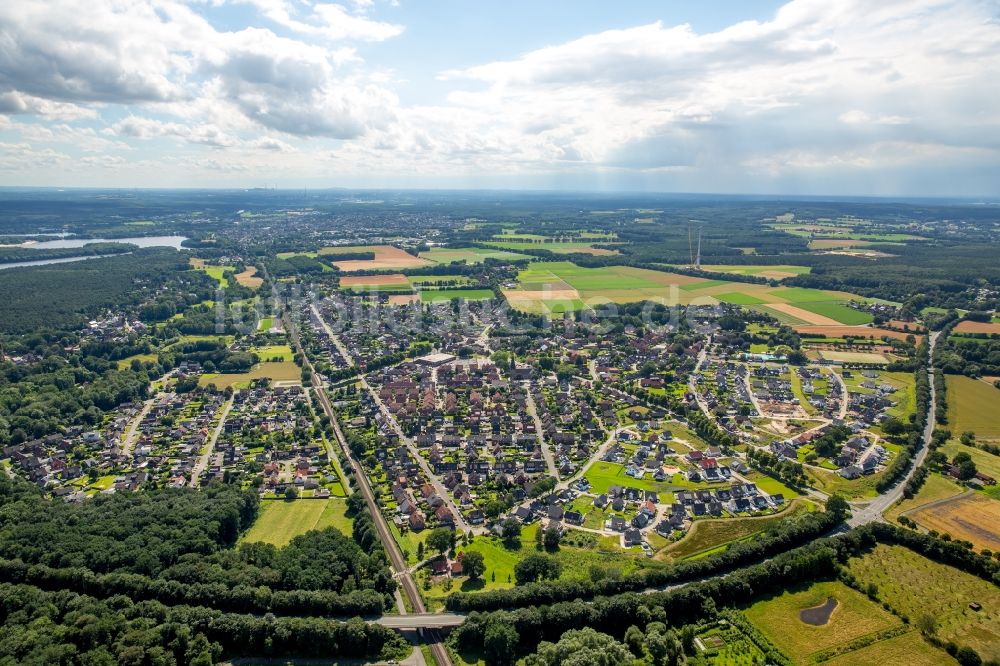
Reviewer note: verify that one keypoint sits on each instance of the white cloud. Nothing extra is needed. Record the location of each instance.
(329, 20)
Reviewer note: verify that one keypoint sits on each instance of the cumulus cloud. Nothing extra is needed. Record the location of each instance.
(59, 56)
(818, 88)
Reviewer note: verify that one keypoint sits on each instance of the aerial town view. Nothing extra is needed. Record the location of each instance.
(326, 338)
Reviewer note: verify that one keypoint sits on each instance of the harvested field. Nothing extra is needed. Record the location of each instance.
(248, 278)
(804, 315)
(841, 331)
(988, 327)
(387, 257)
(366, 280)
(973, 517)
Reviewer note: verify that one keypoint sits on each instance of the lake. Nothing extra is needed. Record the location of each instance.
(140, 241)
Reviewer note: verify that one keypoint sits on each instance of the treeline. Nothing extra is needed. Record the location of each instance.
(42, 628)
(9, 255)
(615, 615)
(912, 439)
(788, 534)
(176, 546)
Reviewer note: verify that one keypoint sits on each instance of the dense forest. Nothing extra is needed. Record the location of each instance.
(145, 574)
(65, 296)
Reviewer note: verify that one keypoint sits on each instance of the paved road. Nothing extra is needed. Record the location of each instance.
(874, 510)
(199, 467)
(421, 621)
(550, 463)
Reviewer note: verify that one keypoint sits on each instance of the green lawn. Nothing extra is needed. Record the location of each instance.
(602, 475)
(280, 521)
(274, 353)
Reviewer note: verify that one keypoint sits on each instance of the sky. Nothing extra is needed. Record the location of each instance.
(819, 97)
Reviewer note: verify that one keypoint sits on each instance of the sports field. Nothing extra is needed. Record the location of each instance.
(277, 372)
(439, 295)
(280, 521)
(470, 255)
(854, 616)
(387, 257)
(561, 282)
(916, 586)
(973, 405)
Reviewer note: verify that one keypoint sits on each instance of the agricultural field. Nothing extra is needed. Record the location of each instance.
(853, 357)
(935, 488)
(516, 241)
(973, 405)
(841, 332)
(772, 272)
(280, 521)
(972, 517)
(394, 282)
(854, 616)
(437, 296)
(988, 327)
(387, 257)
(909, 649)
(915, 586)
(469, 255)
(276, 372)
(544, 283)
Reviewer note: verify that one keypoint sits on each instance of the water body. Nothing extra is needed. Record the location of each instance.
(64, 260)
(140, 241)
(819, 615)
